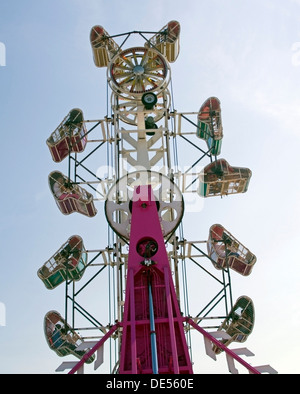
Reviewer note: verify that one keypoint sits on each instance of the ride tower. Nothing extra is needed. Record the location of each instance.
(142, 193)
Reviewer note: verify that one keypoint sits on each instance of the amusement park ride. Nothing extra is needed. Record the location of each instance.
(150, 326)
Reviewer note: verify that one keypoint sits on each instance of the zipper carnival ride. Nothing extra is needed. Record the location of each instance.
(150, 326)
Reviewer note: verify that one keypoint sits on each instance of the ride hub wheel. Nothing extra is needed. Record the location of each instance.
(126, 108)
(168, 197)
(138, 70)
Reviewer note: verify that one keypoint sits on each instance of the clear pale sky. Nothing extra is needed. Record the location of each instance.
(247, 53)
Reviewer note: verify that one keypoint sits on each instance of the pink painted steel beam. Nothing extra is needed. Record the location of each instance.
(222, 346)
(171, 323)
(94, 349)
(172, 351)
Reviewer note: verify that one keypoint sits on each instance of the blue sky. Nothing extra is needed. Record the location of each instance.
(247, 53)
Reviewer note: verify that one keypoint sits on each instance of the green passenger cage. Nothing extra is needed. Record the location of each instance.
(68, 263)
(61, 338)
(239, 323)
(69, 196)
(68, 137)
(220, 179)
(209, 126)
(225, 251)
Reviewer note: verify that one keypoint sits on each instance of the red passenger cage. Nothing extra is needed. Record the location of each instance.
(226, 251)
(70, 197)
(68, 137)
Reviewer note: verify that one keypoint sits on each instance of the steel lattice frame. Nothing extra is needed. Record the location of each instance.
(136, 139)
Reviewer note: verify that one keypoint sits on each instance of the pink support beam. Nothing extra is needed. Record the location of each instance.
(171, 325)
(94, 349)
(222, 346)
(136, 350)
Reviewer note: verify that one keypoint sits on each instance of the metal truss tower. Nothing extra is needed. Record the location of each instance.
(142, 192)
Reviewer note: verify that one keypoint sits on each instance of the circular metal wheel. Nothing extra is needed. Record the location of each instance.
(138, 70)
(149, 99)
(169, 201)
(127, 108)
